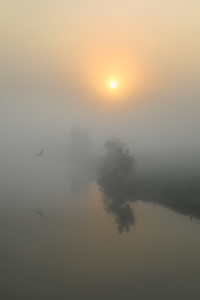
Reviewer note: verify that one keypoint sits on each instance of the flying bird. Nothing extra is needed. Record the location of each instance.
(40, 213)
(40, 153)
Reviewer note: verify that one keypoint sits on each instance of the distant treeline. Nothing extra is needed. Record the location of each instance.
(116, 175)
(177, 192)
(117, 178)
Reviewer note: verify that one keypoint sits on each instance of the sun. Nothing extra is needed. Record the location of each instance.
(113, 85)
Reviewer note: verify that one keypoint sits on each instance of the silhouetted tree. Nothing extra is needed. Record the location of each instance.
(116, 176)
(116, 181)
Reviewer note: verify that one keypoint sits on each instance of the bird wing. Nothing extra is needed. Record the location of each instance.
(40, 153)
(39, 213)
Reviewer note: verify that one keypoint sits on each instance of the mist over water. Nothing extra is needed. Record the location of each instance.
(95, 233)
(99, 187)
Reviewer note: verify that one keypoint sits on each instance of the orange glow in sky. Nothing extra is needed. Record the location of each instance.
(112, 74)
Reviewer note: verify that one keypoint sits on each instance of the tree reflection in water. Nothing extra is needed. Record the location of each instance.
(124, 216)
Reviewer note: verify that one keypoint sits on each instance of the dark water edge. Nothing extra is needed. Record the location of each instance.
(181, 195)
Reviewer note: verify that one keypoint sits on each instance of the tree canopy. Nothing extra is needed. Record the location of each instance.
(116, 176)
(116, 181)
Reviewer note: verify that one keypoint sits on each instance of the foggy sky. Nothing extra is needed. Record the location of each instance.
(56, 54)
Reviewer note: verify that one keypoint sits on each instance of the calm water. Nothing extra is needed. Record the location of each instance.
(77, 252)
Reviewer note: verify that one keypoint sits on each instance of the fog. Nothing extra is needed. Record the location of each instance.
(161, 132)
(57, 57)
(92, 177)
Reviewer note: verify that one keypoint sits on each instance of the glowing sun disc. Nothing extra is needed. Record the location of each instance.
(113, 85)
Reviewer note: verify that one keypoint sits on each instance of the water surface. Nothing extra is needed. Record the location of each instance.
(77, 252)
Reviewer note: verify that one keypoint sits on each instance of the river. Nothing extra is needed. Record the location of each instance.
(78, 252)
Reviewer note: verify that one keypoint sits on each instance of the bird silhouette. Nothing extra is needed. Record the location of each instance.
(40, 153)
(40, 213)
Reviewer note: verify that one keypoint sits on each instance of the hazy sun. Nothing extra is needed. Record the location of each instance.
(113, 85)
